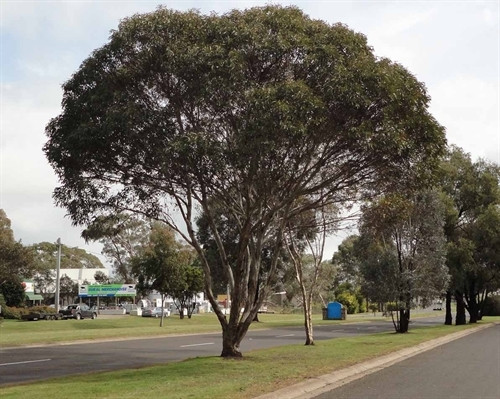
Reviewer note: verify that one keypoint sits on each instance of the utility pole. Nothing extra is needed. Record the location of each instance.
(58, 270)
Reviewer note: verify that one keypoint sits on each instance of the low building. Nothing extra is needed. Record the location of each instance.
(32, 299)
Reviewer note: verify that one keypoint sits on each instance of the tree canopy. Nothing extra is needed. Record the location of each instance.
(407, 234)
(166, 265)
(71, 257)
(122, 235)
(471, 194)
(251, 110)
(16, 260)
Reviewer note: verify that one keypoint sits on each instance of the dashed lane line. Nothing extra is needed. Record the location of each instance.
(25, 362)
(205, 343)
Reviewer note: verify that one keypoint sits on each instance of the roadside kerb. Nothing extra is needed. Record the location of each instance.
(315, 386)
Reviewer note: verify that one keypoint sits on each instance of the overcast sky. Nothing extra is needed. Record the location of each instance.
(451, 46)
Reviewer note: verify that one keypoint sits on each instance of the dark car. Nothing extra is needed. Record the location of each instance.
(155, 312)
(78, 311)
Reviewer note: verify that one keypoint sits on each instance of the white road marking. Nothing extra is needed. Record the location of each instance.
(26, 361)
(187, 346)
(286, 335)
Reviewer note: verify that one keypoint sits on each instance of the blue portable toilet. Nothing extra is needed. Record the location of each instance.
(334, 311)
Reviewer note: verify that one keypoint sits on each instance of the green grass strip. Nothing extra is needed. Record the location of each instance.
(19, 333)
(213, 377)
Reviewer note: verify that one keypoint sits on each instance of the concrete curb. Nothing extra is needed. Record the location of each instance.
(313, 387)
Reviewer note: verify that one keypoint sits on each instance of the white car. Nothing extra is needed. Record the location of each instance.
(155, 312)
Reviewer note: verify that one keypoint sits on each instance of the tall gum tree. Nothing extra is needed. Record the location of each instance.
(251, 110)
(471, 196)
(410, 231)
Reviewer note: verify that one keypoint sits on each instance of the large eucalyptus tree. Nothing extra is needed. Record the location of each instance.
(251, 110)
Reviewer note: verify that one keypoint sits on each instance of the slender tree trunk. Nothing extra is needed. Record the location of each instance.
(481, 303)
(448, 319)
(308, 323)
(257, 292)
(162, 312)
(460, 318)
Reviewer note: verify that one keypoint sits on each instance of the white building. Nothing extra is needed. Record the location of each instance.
(81, 275)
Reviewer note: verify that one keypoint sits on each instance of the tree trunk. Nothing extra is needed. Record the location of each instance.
(448, 319)
(257, 292)
(308, 325)
(471, 300)
(231, 342)
(404, 320)
(460, 318)
(473, 310)
(481, 303)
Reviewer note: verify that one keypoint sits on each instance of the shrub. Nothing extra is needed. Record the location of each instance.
(349, 301)
(492, 306)
(11, 312)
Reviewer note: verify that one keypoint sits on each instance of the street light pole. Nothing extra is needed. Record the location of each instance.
(58, 269)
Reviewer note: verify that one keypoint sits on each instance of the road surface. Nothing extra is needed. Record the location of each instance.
(37, 363)
(466, 368)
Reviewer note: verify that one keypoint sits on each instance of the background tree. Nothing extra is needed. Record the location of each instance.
(364, 268)
(163, 265)
(249, 110)
(471, 195)
(16, 261)
(309, 232)
(347, 262)
(410, 228)
(71, 257)
(122, 235)
(101, 278)
(45, 281)
(13, 292)
(68, 288)
(184, 294)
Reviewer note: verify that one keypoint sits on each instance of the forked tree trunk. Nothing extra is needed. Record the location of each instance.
(460, 318)
(448, 319)
(231, 342)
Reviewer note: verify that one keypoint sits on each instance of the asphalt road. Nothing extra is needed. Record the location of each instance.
(19, 365)
(466, 368)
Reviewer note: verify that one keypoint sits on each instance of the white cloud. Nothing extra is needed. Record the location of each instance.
(469, 108)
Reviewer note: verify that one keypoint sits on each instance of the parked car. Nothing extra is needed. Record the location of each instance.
(155, 312)
(78, 311)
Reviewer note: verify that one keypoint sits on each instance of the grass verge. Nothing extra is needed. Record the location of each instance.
(19, 333)
(213, 377)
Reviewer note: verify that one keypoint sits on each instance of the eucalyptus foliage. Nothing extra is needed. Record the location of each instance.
(407, 234)
(250, 110)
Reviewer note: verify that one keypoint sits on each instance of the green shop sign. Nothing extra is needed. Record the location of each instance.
(85, 290)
